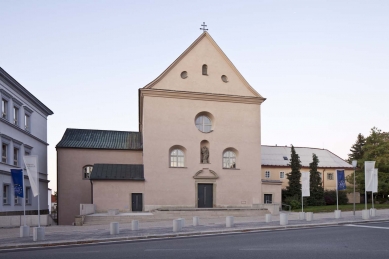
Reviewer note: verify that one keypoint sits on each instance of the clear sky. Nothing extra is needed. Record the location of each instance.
(322, 65)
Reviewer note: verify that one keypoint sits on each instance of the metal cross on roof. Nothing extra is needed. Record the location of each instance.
(203, 25)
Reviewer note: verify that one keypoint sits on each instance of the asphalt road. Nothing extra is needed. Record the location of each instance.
(352, 241)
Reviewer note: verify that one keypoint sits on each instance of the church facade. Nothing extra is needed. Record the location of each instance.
(198, 145)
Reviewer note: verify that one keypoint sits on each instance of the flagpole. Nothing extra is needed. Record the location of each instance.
(337, 202)
(39, 212)
(302, 201)
(24, 200)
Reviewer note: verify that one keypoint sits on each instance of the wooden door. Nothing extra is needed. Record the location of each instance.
(137, 201)
(205, 195)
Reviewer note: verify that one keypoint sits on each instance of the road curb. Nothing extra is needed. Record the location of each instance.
(182, 235)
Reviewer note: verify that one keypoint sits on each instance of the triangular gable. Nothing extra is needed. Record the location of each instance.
(175, 82)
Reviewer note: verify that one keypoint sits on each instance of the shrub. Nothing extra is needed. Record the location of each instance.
(330, 197)
(294, 202)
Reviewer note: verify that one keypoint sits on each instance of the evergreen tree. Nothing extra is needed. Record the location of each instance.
(357, 149)
(316, 197)
(294, 187)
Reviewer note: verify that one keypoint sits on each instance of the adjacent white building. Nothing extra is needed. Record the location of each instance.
(23, 131)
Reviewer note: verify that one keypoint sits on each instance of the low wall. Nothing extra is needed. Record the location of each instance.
(31, 220)
(86, 209)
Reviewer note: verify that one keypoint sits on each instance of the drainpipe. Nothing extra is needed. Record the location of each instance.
(323, 177)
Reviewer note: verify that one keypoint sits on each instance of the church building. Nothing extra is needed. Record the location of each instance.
(198, 145)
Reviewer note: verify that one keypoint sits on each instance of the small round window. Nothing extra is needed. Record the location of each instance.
(203, 123)
(184, 74)
(224, 78)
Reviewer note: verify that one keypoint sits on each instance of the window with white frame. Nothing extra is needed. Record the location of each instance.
(28, 195)
(267, 174)
(6, 192)
(204, 123)
(4, 152)
(320, 174)
(282, 175)
(27, 122)
(330, 176)
(86, 171)
(16, 156)
(16, 116)
(177, 158)
(16, 200)
(4, 109)
(229, 159)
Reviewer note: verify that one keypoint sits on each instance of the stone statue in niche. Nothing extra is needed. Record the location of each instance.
(204, 155)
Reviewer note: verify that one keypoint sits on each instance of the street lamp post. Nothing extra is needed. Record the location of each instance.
(354, 163)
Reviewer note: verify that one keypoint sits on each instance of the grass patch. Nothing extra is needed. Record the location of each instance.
(348, 207)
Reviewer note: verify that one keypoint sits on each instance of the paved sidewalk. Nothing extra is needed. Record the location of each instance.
(67, 235)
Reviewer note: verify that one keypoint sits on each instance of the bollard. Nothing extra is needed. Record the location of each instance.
(337, 214)
(268, 218)
(114, 228)
(309, 216)
(176, 225)
(301, 215)
(38, 234)
(373, 212)
(365, 214)
(196, 221)
(283, 219)
(24, 231)
(182, 222)
(229, 221)
(135, 225)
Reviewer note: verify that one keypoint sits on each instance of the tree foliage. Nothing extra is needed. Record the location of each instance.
(316, 197)
(357, 149)
(294, 187)
(374, 148)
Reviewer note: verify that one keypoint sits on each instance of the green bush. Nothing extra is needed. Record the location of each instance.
(294, 202)
(330, 197)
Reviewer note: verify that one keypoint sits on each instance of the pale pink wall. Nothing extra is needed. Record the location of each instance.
(72, 189)
(169, 122)
(273, 189)
(115, 194)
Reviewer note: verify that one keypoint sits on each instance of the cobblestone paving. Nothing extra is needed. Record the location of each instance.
(63, 234)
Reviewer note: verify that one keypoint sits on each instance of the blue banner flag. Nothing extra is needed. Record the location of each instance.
(341, 180)
(17, 178)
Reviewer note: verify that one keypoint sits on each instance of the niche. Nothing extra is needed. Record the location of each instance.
(204, 152)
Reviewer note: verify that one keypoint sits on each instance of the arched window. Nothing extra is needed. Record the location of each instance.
(177, 158)
(86, 171)
(229, 159)
(205, 70)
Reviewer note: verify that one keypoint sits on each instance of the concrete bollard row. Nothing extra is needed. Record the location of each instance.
(373, 212)
(38, 234)
(229, 221)
(309, 216)
(196, 221)
(135, 225)
(283, 219)
(114, 228)
(268, 218)
(301, 215)
(338, 214)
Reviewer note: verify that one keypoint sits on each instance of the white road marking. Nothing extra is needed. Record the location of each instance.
(161, 249)
(362, 226)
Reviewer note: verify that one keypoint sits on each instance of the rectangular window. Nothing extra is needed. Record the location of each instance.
(330, 176)
(268, 198)
(16, 156)
(6, 194)
(4, 150)
(282, 175)
(320, 174)
(16, 116)
(16, 200)
(267, 174)
(28, 195)
(4, 109)
(27, 122)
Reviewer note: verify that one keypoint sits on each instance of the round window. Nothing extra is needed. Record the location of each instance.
(184, 74)
(224, 78)
(203, 123)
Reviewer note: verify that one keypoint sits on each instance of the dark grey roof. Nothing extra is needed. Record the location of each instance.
(117, 172)
(101, 139)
